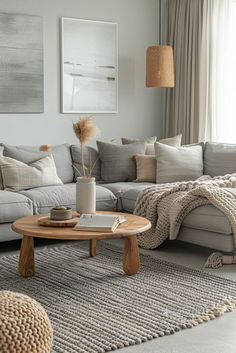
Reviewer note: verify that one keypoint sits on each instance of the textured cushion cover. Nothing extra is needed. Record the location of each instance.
(17, 175)
(117, 162)
(29, 154)
(171, 141)
(219, 158)
(47, 197)
(150, 149)
(149, 143)
(14, 206)
(146, 168)
(90, 157)
(178, 163)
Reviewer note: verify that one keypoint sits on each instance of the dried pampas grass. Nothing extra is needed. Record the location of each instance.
(85, 130)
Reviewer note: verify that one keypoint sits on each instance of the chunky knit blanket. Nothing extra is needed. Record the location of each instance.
(166, 205)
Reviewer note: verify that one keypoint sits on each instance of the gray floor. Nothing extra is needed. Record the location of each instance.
(216, 336)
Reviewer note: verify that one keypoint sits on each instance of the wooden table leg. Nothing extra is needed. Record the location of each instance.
(26, 261)
(92, 247)
(131, 255)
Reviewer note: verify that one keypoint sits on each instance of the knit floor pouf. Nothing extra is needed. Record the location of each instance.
(24, 325)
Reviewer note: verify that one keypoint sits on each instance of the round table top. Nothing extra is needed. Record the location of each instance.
(29, 226)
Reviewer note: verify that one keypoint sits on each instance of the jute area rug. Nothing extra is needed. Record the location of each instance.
(94, 307)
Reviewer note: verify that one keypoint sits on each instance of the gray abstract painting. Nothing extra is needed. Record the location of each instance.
(21, 64)
(89, 66)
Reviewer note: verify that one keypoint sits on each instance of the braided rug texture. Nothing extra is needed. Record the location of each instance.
(94, 307)
(166, 205)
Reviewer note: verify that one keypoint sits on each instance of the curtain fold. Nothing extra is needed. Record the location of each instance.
(218, 72)
(202, 104)
(183, 33)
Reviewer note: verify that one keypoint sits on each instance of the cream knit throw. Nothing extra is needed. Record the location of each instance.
(166, 205)
(24, 325)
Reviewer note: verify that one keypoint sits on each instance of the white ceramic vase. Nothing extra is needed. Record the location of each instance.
(85, 195)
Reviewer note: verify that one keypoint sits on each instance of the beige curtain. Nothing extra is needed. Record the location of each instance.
(183, 33)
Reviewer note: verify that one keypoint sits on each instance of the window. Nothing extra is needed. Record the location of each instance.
(224, 126)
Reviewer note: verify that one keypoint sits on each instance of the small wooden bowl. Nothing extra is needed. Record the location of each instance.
(61, 214)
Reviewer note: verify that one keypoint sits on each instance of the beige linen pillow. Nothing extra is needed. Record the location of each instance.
(174, 141)
(17, 175)
(146, 168)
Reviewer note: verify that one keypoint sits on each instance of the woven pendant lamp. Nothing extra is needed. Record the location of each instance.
(160, 66)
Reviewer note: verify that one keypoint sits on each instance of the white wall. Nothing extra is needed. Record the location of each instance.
(140, 108)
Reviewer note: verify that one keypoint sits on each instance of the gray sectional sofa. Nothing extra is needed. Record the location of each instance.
(205, 225)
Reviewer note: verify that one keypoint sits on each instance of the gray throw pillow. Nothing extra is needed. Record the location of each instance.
(30, 154)
(91, 158)
(219, 158)
(117, 162)
(178, 163)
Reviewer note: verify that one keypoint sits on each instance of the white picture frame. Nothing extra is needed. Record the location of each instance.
(89, 66)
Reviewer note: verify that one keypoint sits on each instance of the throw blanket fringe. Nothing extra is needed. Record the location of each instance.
(217, 259)
(166, 205)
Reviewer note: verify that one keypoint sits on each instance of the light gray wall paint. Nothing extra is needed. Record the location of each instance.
(140, 108)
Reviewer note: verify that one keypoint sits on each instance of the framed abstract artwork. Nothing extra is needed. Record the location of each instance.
(21, 64)
(89, 66)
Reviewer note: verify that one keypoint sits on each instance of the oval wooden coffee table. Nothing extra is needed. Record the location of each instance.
(30, 229)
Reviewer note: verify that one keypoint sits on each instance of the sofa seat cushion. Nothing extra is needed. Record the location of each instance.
(14, 206)
(213, 240)
(44, 198)
(129, 197)
(208, 218)
(118, 189)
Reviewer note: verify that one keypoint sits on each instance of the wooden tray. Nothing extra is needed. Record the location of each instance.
(48, 222)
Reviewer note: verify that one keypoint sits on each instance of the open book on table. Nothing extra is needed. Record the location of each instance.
(99, 222)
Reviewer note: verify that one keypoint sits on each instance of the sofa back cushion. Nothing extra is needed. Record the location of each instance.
(30, 154)
(178, 163)
(91, 158)
(117, 162)
(219, 158)
(17, 175)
